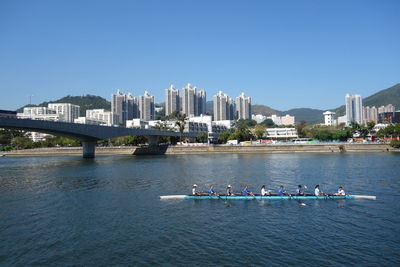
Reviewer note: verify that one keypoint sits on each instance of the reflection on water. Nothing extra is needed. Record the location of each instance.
(106, 211)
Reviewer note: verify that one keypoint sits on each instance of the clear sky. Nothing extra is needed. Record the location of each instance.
(284, 54)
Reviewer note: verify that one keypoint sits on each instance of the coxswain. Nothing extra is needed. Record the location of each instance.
(340, 192)
(246, 191)
(317, 191)
(212, 192)
(282, 191)
(264, 192)
(229, 190)
(299, 191)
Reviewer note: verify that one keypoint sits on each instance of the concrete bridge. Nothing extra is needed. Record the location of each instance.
(87, 134)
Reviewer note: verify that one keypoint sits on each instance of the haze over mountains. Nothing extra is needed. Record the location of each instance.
(390, 95)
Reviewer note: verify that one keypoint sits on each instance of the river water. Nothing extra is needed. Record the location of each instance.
(68, 211)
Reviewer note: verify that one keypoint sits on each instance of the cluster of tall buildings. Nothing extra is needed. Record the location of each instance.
(373, 113)
(225, 108)
(127, 107)
(356, 112)
(277, 120)
(130, 111)
(191, 102)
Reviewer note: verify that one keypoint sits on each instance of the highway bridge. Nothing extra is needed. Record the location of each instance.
(86, 133)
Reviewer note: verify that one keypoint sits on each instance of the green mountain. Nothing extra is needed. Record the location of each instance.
(85, 102)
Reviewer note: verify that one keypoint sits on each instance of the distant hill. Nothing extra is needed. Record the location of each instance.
(311, 116)
(264, 110)
(85, 102)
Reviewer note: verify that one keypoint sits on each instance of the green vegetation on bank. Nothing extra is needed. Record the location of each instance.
(14, 139)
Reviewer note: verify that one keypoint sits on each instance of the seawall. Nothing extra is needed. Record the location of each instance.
(172, 150)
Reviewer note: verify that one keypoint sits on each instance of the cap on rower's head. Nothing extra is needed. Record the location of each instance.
(195, 185)
(299, 185)
(281, 186)
(317, 186)
(229, 185)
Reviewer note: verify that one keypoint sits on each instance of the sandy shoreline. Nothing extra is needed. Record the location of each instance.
(173, 150)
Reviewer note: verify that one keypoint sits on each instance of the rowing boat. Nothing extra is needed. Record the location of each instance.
(224, 197)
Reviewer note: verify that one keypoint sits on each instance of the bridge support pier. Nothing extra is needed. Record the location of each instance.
(88, 148)
(153, 140)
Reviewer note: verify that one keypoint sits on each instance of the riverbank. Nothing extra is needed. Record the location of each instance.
(173, 150)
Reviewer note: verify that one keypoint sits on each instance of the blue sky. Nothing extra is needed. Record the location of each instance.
(284, 54)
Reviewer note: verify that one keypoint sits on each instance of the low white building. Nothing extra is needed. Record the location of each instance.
(259, 118)
(43, 117)
(138, 123)
(276, 119)
(287, 120)
(86, 120)
(196, 127)
(226, 123)
(203, 119)
(106, 117)
(342, 119)
(212, 126)
(329, 118)
(68, 112)
(281, 133)
(284, 120)
(36, 136)
(39, 113)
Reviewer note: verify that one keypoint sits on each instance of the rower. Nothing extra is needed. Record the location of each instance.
(282, 191)
(340, 192)
(317, 191)
(264, 192)
(212, 192)
(194, 192)
(229, 191)
(194, 189)
(299, 191)
(246, 191)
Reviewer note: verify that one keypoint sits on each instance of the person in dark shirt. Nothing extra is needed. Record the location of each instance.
(299, 191)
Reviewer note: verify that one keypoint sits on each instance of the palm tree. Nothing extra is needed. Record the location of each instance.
(181, 123)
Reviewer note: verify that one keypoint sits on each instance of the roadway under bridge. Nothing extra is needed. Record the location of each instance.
(86, 133)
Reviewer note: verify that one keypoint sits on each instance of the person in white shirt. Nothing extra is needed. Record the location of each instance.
(264, 192)
(317, 192)
(194, 192)
(340, 192)
(229, 191)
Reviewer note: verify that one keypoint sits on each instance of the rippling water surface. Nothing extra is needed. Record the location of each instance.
(106, 211)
